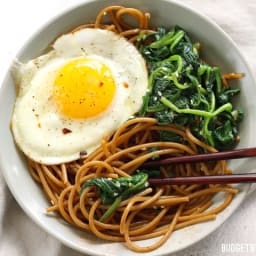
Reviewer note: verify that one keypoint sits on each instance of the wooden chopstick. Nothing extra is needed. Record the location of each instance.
(224, 155)
(212, 179)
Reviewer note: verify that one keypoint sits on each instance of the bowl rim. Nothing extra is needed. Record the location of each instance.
(34, 35)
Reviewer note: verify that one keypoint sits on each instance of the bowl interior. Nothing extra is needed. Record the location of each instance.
(218, 49)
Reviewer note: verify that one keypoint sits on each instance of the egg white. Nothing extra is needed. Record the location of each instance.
(36, 123)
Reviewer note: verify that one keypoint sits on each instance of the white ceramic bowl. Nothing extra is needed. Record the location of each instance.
(218, 49)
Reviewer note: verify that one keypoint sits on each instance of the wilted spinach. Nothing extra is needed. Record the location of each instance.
(113, 191)
(186, 91)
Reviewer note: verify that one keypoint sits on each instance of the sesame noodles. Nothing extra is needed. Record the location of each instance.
(155, 211)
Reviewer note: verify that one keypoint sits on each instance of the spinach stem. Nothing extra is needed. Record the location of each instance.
(198, 112)
(176, 39)
(177, 84)
(173, 58)
(206, 131)
(111, 209)
(218, 79)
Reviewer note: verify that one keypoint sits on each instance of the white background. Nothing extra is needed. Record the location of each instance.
(18, 20)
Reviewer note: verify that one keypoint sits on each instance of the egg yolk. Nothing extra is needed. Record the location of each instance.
(83, 88)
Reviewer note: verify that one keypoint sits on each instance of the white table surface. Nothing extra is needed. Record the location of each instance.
(18, 234)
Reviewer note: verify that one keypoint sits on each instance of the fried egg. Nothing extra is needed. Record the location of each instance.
(83, 89)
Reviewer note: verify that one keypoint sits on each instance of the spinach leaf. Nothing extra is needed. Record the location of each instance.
(170, 136)
(225, 135)
(153, 149)
(113, 191)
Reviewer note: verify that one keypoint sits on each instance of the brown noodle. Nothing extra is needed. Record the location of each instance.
(151, 213)
(154, 212)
